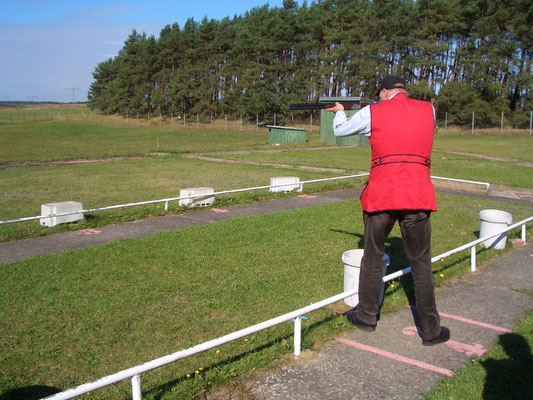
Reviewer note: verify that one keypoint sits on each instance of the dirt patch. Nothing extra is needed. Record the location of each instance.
(274, 165)
(491, 158)
(14, 164)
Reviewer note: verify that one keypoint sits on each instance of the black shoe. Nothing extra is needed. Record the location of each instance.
(352, 317)
(444, 336)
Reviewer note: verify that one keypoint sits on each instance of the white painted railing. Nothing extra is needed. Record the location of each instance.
(486, 184)
(134, 373)
(167, 200)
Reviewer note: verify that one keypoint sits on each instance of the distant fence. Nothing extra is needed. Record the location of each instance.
(204, 121)
(474, 126)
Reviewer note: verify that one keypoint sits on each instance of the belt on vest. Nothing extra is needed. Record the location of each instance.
(401, 158)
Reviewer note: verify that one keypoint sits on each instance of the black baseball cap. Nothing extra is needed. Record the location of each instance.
(391, 82)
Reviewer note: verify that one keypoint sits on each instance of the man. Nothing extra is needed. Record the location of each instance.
(399, 188)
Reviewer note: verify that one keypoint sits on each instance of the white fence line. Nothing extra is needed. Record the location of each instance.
(486, 184)
(134, 373)
(167, 200)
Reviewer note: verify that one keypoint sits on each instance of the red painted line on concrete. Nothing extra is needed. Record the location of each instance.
(307, 196)
(219, 211)
(471, 321)
(515, 196)
(397, 357)
(90, 232)
(470, 350)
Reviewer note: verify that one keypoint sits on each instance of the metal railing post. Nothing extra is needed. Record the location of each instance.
(473, 259)
(524, 233)
(297, 336)
(136, 387)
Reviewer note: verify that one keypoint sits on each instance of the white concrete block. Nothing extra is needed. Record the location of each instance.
(205, 200)
(288, 184)
(59, 208)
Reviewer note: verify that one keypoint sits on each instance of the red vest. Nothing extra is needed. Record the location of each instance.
(401, 140)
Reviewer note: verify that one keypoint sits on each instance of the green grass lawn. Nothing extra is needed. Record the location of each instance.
(509, 145)
(73, 317)
(69, 139)
(40, 112)
(24, 189)
(64, 139)
(443, 164)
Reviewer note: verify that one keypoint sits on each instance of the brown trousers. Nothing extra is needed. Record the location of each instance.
(416, 233)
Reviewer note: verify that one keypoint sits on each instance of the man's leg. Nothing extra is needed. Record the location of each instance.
(377, 228)
(416, 232)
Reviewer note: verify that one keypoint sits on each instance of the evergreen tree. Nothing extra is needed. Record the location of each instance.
(472, 56)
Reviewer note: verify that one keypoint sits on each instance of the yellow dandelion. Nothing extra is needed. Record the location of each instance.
(441, 275)
(392, 285)
(442, 259)
(188, 375)
(245, 340)
(201, 368)
(196, 372)
(217, 352)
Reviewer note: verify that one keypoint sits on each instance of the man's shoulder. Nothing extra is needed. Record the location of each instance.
(402, 98)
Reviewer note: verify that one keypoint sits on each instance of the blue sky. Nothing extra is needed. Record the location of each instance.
(49, 48)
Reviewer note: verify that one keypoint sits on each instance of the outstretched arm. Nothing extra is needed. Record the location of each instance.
(357, 124)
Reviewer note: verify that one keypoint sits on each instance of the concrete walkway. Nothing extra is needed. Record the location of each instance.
(17, 250)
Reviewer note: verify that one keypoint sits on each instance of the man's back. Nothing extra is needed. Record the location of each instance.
(402, 139)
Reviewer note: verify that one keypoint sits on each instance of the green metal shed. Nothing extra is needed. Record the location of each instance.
(326, 121)
(285, 134)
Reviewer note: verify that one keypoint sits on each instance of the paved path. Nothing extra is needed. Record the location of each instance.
(16, 250)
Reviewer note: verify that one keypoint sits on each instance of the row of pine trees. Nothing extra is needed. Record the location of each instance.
(465, 55)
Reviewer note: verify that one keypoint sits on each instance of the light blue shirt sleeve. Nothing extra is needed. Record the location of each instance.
(357, 124)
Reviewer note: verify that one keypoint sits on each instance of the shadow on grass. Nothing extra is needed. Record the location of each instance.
(511, 378)
(29, 393)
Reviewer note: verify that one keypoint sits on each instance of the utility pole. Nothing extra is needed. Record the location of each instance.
(73, 92)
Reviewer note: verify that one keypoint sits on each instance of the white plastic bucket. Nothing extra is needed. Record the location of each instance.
(493, 221)
(352, 267)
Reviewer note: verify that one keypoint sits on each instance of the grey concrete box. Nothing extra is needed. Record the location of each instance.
(59, 208)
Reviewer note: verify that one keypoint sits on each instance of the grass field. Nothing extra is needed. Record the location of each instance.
(64, 140)
(157, 170)
(443, 164)
(15, 114)
(73, 317)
